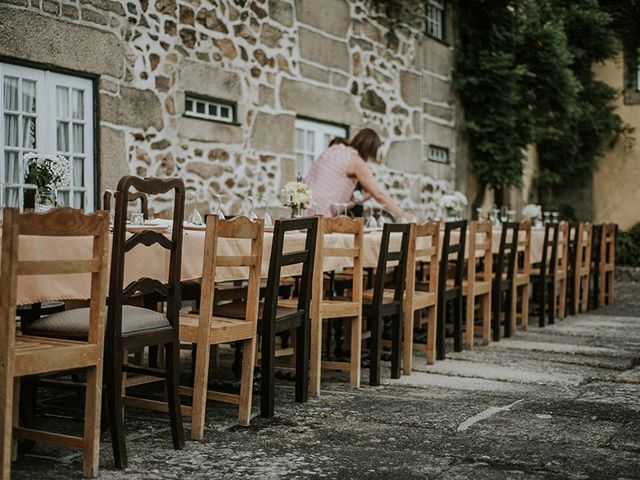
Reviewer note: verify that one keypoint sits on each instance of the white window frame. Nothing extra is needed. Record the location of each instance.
(46, 123)
(438, 154)
(436, 18)
(216, 110)
(312, 138)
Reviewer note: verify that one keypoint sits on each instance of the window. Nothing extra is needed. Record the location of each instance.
(438, 154)
(209, 109)
(312, 138)
(47, 113)
(436, 19)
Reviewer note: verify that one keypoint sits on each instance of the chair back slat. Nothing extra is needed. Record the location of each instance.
(480, 247)
(147, 238)
(61, 222)
(420, 255)
(449, 247)
(144, 286)
(507, 252)
(523, 262)
(59, 267)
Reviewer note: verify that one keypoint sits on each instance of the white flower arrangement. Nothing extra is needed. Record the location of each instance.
(532, 211)
(297, 194)
(454, 203)
(47, 172)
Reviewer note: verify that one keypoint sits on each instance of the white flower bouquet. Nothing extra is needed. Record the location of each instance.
(454, 203)
(532, 211)
(47, 172)
(298, 197)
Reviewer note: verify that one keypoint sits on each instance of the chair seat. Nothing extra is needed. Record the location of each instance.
(223, 330)
(521, 279)
(387, 296)
(424, 299)
(34, 355)
(75, 323)
(286, 318)
(330, 308)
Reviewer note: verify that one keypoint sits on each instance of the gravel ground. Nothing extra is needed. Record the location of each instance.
(559, 402)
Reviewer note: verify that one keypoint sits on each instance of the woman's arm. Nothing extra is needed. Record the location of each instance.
(358, 168)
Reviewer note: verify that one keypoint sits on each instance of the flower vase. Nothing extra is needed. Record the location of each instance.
(296, 211)
(45, 200)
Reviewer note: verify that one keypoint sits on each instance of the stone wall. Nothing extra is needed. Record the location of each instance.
(330, 60)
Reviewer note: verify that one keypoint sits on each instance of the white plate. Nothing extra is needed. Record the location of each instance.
(193, 226)
(145, 228)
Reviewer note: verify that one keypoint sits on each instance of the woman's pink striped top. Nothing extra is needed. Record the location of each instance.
(328, 179)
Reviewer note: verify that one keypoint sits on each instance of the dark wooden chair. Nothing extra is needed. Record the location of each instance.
(386, 300)
(596, 255)
(572, 261)
(543, 275)
(503, 284)
(274, 319)
(451, 293)
(133, 197)
(131, 328)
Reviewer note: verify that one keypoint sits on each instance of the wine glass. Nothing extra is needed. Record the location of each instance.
(194, 217)
(251, 214)
(556, 216)
(268, 221)
(371, 220)
(217, 210)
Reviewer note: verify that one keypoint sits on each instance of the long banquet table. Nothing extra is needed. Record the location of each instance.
(153, 261)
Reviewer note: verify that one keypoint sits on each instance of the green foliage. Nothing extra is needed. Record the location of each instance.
(628, 247)
(524, 75)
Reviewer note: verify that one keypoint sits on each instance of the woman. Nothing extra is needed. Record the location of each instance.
(334, 175)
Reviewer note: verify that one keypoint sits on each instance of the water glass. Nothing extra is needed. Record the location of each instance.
(137, 218)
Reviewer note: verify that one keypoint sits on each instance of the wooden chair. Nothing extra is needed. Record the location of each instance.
(23, 355)
(452, 292)
(606, 265)
(348, 308)
(133, 197)
(543, 275)
(131, 328)
(584, 237)
(422, 295)
(273, 319)
(594, 278)
(560, 273)
(503, 281)
(572, 260)
(204, 330)
(387, 303)
(476, 286)
(521, 277)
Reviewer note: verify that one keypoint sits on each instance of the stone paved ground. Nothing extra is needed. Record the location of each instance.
(559, 402)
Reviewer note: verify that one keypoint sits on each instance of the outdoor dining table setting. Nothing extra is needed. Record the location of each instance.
(103, 293)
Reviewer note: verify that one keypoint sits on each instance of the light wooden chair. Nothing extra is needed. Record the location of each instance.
(582, 268)
(607, 264)
(522, 277)
(349, 307)
(477, 284)
(424, 250)
(204, 330)
(22, 355)
(560, 275)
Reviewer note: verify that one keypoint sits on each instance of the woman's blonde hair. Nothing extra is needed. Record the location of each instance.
(366, 142)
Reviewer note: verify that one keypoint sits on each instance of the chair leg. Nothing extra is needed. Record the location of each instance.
(246, 382)
(495, 318)
(356, 347)
(524, 319)
(552, 302)
(470, 316)
(396, 345)
(562, 307)
(432, 334)
(513, 303)
(440, 330)
(200, 387)
(509, 328)
(6, 414)
(267, 369)
(542, 301)
(486, 319)
(16, 417)
(376, 340)
(457, 323)
(410, 318)
(172, 360)
(316, 355)
(92, 407)
(302, 361)
(585, 294)
(115, 408)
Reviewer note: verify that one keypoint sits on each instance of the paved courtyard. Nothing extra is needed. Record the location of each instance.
(559, 402)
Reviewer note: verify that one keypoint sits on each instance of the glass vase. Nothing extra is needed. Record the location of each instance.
(45, 201)
(296, 211)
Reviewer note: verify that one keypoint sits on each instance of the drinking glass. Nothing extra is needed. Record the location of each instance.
(217, 210)
(545, 216)
(251, 214)
(371, 220)
(137, 218)
(268, 221)
(194, 217)
(556, 216)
